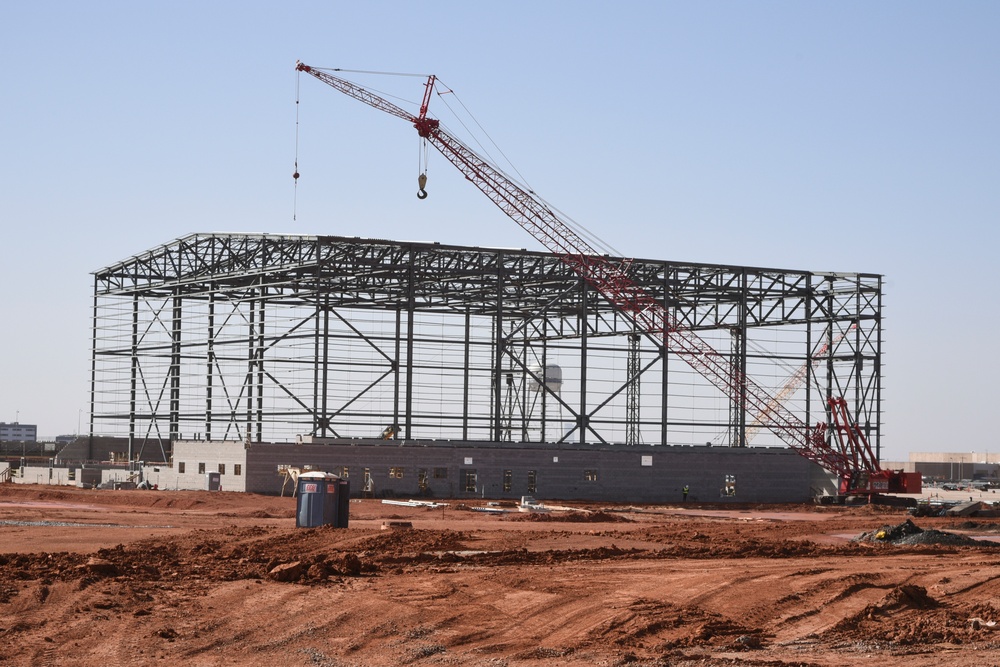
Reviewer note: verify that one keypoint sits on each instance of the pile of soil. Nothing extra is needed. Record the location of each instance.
(909, 533)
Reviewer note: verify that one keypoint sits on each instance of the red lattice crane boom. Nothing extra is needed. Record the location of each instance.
(608, 278)
(795, 382)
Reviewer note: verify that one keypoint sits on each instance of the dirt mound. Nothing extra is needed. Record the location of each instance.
(412, 541)
(225, 555)
(933, 536)
(890, 534)
(202, 501)
(980, 526)
(907, 615)
(908, 596)
(909, 533)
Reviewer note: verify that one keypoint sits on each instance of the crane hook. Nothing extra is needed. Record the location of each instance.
(422, 183)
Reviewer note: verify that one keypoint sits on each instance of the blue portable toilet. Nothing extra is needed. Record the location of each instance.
(343, 503)
(323, 499)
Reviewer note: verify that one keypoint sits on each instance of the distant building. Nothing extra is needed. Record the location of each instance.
(956, 466)
(17, 432)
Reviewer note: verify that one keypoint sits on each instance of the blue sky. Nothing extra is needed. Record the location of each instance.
(848, 136)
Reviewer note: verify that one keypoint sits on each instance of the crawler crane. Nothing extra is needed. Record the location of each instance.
(847, 455)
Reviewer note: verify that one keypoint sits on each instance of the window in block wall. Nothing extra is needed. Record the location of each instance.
(729, 486)
(470, 481)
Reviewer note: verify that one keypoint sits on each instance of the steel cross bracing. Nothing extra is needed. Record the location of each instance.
(613, 280)
(237, 335)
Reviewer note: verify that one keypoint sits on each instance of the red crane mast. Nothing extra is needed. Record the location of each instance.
(608, 278)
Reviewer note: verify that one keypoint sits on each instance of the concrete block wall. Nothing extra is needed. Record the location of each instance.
(613, 473)
(568, 472)
(43, 475)
(229, 458)
(67, 475)
(194, 459)
(264, 460)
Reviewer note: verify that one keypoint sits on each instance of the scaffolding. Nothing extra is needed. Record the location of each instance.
(267, 338)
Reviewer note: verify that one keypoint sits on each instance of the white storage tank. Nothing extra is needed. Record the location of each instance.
(551, 376)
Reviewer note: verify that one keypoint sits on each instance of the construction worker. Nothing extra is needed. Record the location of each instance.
(684, 492)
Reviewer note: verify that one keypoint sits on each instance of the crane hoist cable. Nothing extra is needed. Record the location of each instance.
(295, 174)
(422, 160)
(423, 152)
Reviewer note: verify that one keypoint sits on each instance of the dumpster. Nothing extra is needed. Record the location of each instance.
(323, 499)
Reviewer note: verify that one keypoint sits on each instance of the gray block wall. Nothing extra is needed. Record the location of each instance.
(612, 473)
(569, 472)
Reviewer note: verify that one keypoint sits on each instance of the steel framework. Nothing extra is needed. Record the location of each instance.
(264, 338)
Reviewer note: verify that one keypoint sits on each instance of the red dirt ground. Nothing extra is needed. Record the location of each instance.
(199, 578)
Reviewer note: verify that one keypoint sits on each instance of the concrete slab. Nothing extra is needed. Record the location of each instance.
(965, 509)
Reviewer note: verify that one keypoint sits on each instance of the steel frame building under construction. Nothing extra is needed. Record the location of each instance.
(269, 338)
